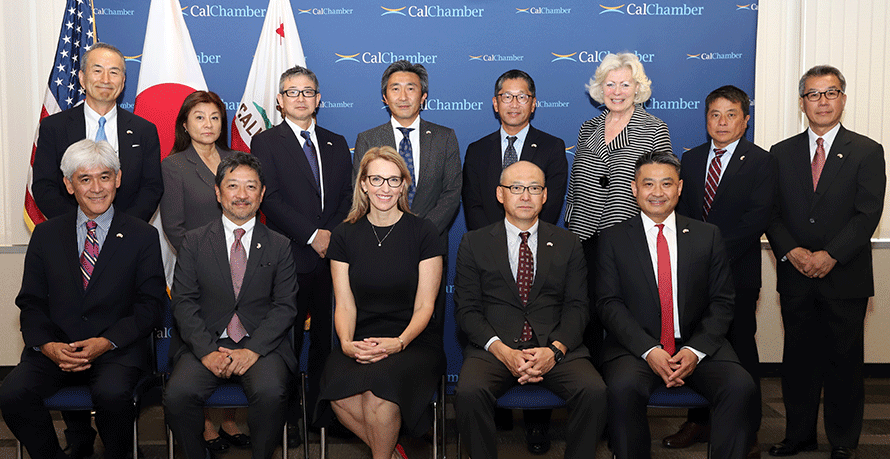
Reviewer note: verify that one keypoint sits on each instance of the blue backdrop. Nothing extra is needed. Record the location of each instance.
(688, 48)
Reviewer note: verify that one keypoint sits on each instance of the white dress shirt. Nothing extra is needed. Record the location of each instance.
(414, 138)
(297, 132)
(92, 124)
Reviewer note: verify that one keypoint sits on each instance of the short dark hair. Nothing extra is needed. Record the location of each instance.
(297, 71)
(109, 47)
(405, 66)
(657, 157)
(182, 139)
(514, 74)
(230, 163)
(730, 93)
(821, 70)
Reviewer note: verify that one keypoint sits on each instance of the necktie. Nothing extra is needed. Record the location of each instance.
(237, 264)
(90, 253)
(525, 274)
(100, 134)
(665, 291)
(408, 155)
(818, 162)
(712, 182)
(309, 151)
(510, 153)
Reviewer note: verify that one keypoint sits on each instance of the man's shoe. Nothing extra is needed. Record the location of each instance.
(689, 434)
(79, 450)
(239, 440)
(294, 437)
(841, 452)
(789, 448)
(537, 439)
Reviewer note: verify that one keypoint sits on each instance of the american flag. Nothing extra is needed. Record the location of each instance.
(63, 90)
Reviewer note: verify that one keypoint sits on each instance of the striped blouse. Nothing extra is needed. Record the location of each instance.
(599, 193)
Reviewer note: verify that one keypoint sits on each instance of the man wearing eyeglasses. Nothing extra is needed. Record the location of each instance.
(308, 192)
(521, 298)
(514, 101)
(829, 202)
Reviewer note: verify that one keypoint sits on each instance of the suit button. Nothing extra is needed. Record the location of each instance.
(84, 318)
(812, 220)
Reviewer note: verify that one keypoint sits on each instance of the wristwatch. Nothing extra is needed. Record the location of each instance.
(557, 354)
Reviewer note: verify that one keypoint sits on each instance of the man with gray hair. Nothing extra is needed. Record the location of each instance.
(92, 291)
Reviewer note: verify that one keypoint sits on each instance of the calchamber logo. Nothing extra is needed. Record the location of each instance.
(544, 10)
(386, 57)
(597, 56)
(496, 58)
(714, 56)
(434, 11)
(750, 7)
(653, 9)
(220, 11)
(326, 11)
(114, 12)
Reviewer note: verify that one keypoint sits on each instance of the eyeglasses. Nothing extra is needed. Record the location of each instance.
(830, 94)
(307, 93)
(519, 189)
(506, 98)
(377, 181)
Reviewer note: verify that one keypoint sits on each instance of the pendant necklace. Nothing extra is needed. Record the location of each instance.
(380, 241)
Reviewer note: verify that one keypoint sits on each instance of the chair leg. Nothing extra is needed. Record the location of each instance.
(322, 444)
(305, 416)
(136, 431)
(284, 442)
(436, 428)
(18, 449)
(442, 419)
(170, 444)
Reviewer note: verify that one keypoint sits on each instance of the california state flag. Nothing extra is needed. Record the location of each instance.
(169, 72)
(279, 49)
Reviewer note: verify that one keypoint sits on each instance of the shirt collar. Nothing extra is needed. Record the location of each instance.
(828, 137)
(297, 129)
(230, 226)
(103, 221)
(513, 231)
(414, 125)
(93, 116)
(730, 149)
(669, 223)
(520, 136)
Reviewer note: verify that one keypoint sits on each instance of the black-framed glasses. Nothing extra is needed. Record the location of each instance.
(831, 94)
(377, 181)
(506, 98)
(519, 189)
(307, 93)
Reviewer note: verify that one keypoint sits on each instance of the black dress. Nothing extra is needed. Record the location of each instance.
(383, 280)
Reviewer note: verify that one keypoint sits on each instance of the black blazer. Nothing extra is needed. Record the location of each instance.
(627, 290)
(482, 169)
(742, 206)
(487, 300)
(292, 204)
(140, 155)
(122, 302)
(839, 217)
(204, 300)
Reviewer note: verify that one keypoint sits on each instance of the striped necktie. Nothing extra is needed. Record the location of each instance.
(90, 253)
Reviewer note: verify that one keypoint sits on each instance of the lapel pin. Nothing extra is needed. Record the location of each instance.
(428, 132)
(742, 158)
(258, 245)
(129, 132)
(534, 145)
(549, 244)
(685, 230)
(135, 145)
(329, 143)
(840, 156)
(119, 235)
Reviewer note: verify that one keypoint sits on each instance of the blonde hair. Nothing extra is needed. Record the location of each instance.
(360, 202)
(614, 62)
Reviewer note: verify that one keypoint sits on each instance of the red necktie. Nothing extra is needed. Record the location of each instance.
(90, 253)
(818, 162)
(712, 182)
(237, 264)
(665, 291)
(525, 274)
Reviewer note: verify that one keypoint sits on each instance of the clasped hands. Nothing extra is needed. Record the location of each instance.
(672, 369)
(225, 362)
(76, 356)
(528, 365)
(371, 350)
(811, 264)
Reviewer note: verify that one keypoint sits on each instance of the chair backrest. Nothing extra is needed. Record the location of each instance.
(454, 357)
(162, 337)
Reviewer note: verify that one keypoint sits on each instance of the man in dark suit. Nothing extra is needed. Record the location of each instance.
(730, 182)
(829, 202)
(665, 297)
(430, 150)
(308, 193)
(102, 78)
(92, 291)
(234, 294)
(521, 298)
(514, 102)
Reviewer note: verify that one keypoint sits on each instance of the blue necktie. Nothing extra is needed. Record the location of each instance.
(407, 154)
(309, 151)
(100, 135)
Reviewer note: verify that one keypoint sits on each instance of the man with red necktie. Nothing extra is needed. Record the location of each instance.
(829, 203)
(665, 297)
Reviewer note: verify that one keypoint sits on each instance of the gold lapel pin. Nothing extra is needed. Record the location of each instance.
(258, 245)
(549, 244)
(119, 235)
(534, 145)
(685, 230)
(135, 145)
(742, 158)
(428, 132)
(129, 132)
(329, 143)
(840, 156)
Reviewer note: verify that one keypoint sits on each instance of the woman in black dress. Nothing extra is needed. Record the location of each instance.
(386, 265)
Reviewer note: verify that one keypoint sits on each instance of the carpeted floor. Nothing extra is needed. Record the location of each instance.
(874, 443)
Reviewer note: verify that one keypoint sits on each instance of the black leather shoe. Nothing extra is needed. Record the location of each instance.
(689, 434)
(537, 439)
(216, 445)
(240, 440)
(79, 450)
(841, 452)
(789, 448)
(294, 437)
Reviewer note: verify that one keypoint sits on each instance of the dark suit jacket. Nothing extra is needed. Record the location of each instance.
(482, 169)
(627, 290)
(839, 217)
(189, 199)
(204, 298)
(438, 186)
(140, 155)
(292, 204)
(742, 206)
(487, 300)
(122, 302)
